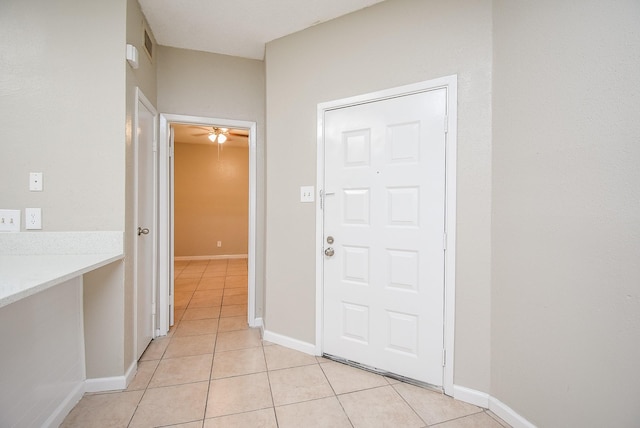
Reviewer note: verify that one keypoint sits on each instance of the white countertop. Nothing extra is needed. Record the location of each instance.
(32, 262)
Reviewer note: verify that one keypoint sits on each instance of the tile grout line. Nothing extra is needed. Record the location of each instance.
(213, 357)
(273, 403)
(481, 410)
(408, 404)
(335, 394)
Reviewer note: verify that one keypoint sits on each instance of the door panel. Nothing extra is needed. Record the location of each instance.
(384, 205)
(146, 121)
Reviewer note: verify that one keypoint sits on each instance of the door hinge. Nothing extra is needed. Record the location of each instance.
(444, 357)
(153, 308)
(444, 241)
(170, 151)
(446, 124)
(155, 146)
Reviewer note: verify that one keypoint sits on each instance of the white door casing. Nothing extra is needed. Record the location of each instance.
(386, 203)
(145, 238)
(166, 209)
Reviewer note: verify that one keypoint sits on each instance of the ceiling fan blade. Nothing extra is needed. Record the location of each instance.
(239, 132)
(206, 128)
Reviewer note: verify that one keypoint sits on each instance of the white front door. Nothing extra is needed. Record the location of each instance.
(146, 228)
(384, 213)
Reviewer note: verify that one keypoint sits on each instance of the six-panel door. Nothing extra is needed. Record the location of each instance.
(383, 291)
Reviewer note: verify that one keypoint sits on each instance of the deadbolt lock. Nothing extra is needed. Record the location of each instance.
(329, 239)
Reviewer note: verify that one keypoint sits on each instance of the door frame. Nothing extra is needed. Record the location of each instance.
(450, 84)
(141, 98)
(166, 213)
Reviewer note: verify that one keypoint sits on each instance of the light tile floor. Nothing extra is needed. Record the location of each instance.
(212, 371)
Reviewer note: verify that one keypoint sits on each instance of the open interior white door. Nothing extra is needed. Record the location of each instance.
(171, 239)
(165, 228)
(384, 213)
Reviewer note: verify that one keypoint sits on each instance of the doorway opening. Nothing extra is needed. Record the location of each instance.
(216, 225)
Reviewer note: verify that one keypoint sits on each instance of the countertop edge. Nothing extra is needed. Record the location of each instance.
(22, 294)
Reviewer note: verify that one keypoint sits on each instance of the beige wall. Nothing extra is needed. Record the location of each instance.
(566, 212)
(201, 84)
(42, 355)
(211, 199)
(59, 77)
(390, 44)
(106, 332)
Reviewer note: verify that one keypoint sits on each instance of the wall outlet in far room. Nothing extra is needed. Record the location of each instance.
(9, 220)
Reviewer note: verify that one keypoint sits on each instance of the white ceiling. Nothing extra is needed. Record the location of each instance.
(238, 27)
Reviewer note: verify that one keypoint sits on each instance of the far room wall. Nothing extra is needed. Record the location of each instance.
(211, 200)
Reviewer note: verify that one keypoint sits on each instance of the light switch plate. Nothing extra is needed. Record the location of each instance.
(9, 220)
(306, 194)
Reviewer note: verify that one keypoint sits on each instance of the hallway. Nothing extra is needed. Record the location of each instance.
(212, 371)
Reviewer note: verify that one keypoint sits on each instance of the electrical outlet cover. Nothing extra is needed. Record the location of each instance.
(33, 218)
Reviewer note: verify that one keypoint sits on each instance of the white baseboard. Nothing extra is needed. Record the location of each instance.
(61, 412)
(257, 322)
(221, 257)
(482, 399)
(298, 345)
(131, 373)
(89, 385)
(471, 396)
(508, 414)
(111, 383)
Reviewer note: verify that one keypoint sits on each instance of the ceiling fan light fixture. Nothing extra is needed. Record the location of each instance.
(219, 135)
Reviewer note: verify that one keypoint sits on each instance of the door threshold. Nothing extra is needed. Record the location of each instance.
(384, 373)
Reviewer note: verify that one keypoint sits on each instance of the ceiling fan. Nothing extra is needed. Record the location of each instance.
(219, 134)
